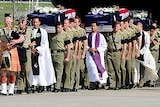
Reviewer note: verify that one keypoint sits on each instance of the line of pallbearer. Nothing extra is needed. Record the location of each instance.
(125, 58)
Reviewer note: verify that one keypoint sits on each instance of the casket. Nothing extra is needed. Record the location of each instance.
(102, 19)
(123, 13)
(69, 13)
(47, 19)
(145, 21)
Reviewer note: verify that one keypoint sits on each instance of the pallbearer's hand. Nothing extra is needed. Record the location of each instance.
(73, 55)
(32, 44)
(34, 51)
(83, 56)
(78, 57)
(127, 57)
(122, 57)
(133, 55)
(66, 59)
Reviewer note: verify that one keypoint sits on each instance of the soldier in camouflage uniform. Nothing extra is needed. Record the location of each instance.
(135, 38)
(154, 48)
(68, 65)
(23, 76)
(59, 44)
(81, 52)
(114, 57)
(123, 56)
(74, 55)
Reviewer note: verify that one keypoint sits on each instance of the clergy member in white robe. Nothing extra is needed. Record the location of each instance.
(46, 73)
(96, 74)
(146, 59)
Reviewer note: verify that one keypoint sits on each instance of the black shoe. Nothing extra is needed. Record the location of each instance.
(151, 85)
(33, 91)
(40, 88)
(131, 86)
(117, 88)
(113, 88)
(56, 90)
(39, 91)
(135, 85)
(128, 87)
(10, 94)
(91, 88)
(48, 88)
(66, 90)
(140, 86)
(97, 85)
(123, 87)
(19, 92)
(85, 87)
(28, 90)
(74, 90)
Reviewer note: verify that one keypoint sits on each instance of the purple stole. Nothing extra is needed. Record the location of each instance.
(96, 55)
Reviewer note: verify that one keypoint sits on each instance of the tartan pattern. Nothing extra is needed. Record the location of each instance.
(15, 64)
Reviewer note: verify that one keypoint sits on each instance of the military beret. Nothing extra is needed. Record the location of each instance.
(22, 19)
(7, 15)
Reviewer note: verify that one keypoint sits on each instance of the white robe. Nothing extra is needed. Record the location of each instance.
(91, 66)
(149, 63)
(47, 74)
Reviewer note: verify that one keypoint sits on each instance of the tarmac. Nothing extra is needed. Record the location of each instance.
(136, 97)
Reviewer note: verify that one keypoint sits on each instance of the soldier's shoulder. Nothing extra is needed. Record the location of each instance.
(66, 34)
(63, 33)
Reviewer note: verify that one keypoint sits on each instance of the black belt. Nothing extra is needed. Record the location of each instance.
(112, 50)
(52, 51)
(154, 50)
(23, 48)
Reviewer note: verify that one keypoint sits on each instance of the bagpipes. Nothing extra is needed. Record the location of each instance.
(5, 55)
(21, 50)
(3, 47)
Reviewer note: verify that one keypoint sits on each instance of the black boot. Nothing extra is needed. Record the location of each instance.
(19, 91)
(48, 88)
(96, 85)
(28, 90)
(91, 86)
(40, 89)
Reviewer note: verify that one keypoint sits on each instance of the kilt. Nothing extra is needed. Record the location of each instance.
(15, 64)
